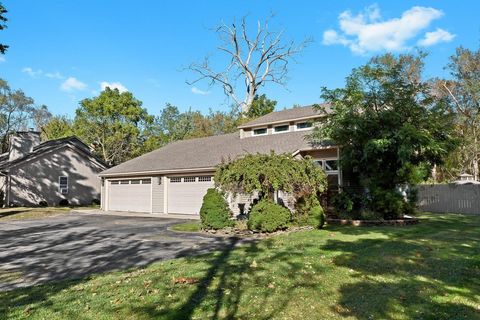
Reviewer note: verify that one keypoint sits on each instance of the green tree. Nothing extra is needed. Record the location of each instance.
(57, 127)
(462, 92)
(269, 173)
(389, 126)
(3, 20)
(16, 111)
(114, 123)
(261, 106)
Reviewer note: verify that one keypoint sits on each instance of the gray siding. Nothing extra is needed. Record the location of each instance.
(157, 194)
(37, 179)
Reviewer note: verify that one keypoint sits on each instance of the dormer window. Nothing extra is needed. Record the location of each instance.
(282, 128)
(303, 125)
(260, 132)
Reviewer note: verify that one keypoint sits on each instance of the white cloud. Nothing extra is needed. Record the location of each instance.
(368, 32)
(2, 59)
(54, 75)
(32, 73)
(113, 85)
(195, 90)
(435, 37)
(72, 84)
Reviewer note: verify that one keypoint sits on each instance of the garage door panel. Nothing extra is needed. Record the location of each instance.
(130, 197)
(187, 197)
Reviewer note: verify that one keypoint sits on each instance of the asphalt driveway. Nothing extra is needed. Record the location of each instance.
(75, 245)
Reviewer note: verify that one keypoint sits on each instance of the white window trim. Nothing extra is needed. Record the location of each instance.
(259, 134)
(281, 125)
(60, 185)
(296, 128)
(323, 165)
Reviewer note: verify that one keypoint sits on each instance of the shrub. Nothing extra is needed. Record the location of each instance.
(309, 212)
(214, 212)
(267, 216)
(64, 203)
(347, 205)
(389, 203)
(95, 202)
(43, 203)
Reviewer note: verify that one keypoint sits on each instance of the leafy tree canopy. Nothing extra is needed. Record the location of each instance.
(3, 20)
(390, 127)
(113, 123)
(268, 173)
(57, 127)
(261, 106)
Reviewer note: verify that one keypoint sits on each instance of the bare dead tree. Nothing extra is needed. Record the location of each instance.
(256, 59)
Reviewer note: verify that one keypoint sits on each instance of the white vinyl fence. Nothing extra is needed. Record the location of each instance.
(455, 198)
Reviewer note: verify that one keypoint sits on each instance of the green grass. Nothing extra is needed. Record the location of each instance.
(191, 226)
(22, 213)
(426, 271)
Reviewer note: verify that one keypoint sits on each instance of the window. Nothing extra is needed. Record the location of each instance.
(304, 125)
(124, 181)
(282, 128)
(146, 181)
(189, 179)
(136, 181)
(204, 178)
(259, 132)
(63, 184)
(115, 182)
(330, 166)
(175, 180)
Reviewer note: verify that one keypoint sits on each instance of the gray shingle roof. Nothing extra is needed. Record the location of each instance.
(203, 153)
(49, 146)
(286, 115)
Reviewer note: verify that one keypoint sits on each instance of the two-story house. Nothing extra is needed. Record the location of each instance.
(174, 178)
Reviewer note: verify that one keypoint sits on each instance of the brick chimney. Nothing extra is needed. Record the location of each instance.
(22, 143)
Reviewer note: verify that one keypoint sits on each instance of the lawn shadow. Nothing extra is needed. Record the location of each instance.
(426, 272)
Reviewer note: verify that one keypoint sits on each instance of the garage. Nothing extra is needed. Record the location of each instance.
(130, 195)
(185, 194)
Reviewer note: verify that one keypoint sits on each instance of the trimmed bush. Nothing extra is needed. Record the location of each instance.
(267, 216)
(95, 202)
(43, 203)
(214, 212)
(63, 203)
(309, 212)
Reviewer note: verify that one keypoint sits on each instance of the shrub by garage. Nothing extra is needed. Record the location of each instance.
(215, 213)
(309, 212)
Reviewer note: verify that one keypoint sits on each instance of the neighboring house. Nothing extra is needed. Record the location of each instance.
(174, 178)
(33, 172)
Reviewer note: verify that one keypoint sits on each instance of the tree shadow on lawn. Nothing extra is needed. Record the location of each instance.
(430, 271)
(226, 288)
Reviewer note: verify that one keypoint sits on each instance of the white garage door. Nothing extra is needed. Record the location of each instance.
(130, 195)
(185, 194)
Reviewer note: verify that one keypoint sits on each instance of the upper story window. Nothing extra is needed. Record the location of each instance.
(259, 132)
(304, 125)
(282, 128)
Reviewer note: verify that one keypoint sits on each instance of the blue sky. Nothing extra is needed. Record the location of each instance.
(63, 51)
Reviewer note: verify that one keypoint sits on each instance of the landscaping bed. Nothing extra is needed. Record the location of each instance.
(370, 223)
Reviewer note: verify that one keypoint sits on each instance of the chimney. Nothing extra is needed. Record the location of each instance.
(22, 143)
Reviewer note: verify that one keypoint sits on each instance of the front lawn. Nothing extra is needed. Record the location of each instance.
(22, 213)
(427, 271)
(191, 226)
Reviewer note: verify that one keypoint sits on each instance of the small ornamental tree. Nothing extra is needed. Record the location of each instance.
(269, 173)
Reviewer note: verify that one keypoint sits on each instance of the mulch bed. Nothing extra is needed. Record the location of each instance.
(370, 223)
(232, 232)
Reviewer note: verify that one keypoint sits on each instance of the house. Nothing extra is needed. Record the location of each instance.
(174, 178)
(34, 173)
